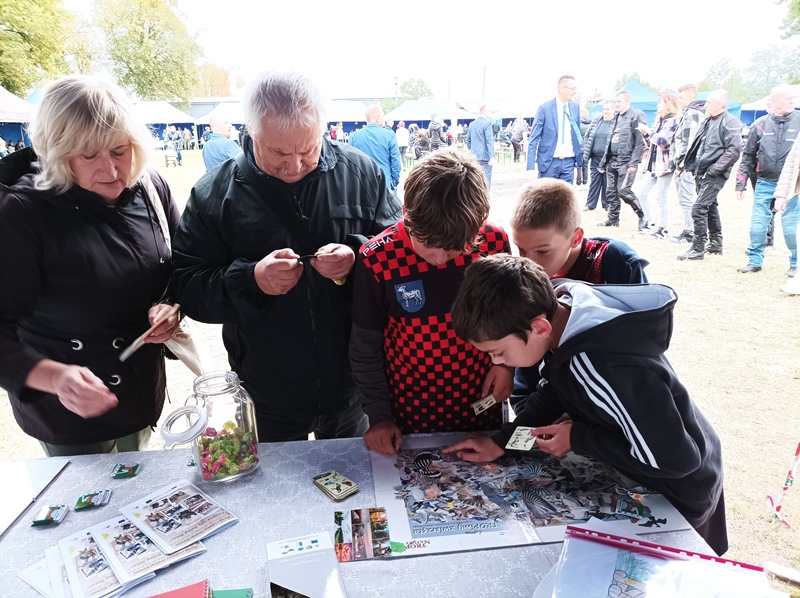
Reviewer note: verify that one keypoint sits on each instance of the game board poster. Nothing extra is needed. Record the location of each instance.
(436, 502)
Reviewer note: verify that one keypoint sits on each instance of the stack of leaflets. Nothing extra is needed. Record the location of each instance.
(109, 558)
(177, 516)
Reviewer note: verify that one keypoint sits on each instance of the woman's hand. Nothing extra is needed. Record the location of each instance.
(78, 389)
(166, 328)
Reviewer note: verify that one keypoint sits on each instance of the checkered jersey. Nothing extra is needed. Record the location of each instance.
(433, 375)
(589, 265)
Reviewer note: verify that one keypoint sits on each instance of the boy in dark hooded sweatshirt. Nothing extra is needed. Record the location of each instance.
(605, 367)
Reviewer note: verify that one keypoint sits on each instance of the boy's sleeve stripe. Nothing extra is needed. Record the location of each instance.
(579, 374)
(602, 395)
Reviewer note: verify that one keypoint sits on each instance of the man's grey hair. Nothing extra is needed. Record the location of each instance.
(287, 98)
(785, 89)
(719, 95)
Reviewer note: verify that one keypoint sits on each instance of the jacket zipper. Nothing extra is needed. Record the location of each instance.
(298, 208)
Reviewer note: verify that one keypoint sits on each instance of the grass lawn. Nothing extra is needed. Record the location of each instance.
(736, 347)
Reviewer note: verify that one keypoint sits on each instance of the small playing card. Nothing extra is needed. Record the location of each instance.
(335, 485)
(483, 404)
(522, 440)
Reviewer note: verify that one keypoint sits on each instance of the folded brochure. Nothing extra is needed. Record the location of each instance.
(178, 515)
(131, 554)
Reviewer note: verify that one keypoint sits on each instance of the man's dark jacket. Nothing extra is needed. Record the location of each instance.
(716, 147)
(630, 143)
(770, 139)
(290, 351)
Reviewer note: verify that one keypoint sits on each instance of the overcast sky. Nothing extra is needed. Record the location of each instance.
(356, 48)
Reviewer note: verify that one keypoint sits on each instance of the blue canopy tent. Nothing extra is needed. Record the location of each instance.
(14, 114)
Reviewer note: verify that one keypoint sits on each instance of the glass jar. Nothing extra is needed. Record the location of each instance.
(219, 419)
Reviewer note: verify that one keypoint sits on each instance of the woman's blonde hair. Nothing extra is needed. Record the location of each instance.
(670, 105)
(80, 114)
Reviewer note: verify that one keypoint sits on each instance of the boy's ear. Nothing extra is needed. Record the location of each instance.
(541, 327)
(577, 238)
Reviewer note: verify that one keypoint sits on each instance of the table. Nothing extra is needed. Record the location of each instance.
(279, 501)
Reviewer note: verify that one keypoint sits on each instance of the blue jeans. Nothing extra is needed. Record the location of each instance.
(762, 213)
(487, 172)
(563, 169)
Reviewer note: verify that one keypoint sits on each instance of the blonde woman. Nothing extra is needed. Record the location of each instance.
(84, 261)
(659, 172)
(787, 188)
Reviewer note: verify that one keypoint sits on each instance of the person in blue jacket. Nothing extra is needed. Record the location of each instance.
(380, 144)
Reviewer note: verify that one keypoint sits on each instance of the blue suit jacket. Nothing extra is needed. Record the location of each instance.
(544, 135)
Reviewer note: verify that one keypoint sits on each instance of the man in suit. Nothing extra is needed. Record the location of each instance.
(480, 141)
(555, 141)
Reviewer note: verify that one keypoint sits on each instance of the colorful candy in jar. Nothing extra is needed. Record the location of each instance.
(227, 452)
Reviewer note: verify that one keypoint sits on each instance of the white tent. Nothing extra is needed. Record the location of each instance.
(14, 109)
(346, 111)
(161, 113)
(421, 110)
(231, 111)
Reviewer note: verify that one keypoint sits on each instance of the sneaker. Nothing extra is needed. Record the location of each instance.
(660, 233)
(609, 223)
(749, 268)
(791, 271)
(684, 238)
(643, 224)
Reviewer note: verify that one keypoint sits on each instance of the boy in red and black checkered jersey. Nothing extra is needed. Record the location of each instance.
(412, 371)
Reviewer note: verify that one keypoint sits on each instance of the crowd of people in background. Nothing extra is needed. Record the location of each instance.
(10, 146)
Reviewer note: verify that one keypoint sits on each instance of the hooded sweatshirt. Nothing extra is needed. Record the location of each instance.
(628, 408)
(436, 132)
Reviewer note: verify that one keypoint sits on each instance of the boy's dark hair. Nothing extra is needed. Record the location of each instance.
(547, 203)
(501, 295)
(446, 200)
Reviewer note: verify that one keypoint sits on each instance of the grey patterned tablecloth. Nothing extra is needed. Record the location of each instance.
(278, 501)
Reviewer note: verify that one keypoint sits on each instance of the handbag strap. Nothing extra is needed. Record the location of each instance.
(158, 207)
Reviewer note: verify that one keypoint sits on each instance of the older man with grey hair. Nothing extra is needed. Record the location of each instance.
(266, 246)
(768, 144)
(711, 156)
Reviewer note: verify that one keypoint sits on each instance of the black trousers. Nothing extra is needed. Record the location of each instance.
(517, 145)
(350, 422)
(619, 183)
(582, 174)
(705, 211)
(597, 186)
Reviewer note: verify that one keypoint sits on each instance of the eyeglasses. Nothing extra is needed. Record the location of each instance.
(570, 88)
